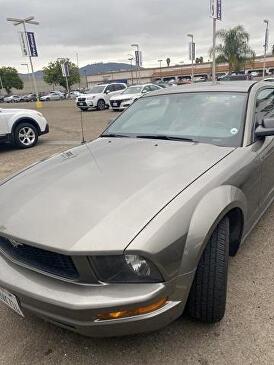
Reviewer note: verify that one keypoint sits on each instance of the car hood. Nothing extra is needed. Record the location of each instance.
(14, 111)
(125, 96)
(98, 197)
(87, 95)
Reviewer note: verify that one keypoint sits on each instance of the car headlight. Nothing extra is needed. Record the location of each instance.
(91, 98)
(125, 269)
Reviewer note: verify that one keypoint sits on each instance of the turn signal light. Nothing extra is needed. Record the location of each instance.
(133, 312)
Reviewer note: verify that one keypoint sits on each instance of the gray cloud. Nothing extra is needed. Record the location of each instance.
(102, 30)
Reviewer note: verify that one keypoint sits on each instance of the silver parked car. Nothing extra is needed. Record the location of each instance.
(120, 235)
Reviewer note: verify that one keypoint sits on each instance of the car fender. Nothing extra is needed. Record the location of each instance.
(13, 121)
(207, 214)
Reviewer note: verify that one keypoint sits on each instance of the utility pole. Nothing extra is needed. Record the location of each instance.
(215, 14)
(131, 68)
(192, 55)
(214, 52)
(1, 83)
(265, 43)
(28, 20)
(137, 62)
(160, 61)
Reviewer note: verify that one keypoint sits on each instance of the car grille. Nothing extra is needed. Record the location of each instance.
(81, 99)
(39, 259)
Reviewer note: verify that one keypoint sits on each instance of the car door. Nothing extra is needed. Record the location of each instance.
(265, 109)
(109, 92)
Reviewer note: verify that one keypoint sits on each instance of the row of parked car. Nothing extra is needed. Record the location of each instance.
(52, 95)
(116, 96)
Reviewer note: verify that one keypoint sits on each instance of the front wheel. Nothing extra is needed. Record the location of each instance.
(207, 298)
(25, 135)
(101, 105)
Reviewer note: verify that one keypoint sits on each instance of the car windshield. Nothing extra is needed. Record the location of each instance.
(133, 90)
(209, 117)
(96, 90)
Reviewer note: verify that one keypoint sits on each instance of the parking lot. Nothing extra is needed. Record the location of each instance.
(245, 336)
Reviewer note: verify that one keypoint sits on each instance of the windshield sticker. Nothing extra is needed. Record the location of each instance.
(234, 131)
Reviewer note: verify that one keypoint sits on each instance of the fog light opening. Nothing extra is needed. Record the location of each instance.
(132, 312)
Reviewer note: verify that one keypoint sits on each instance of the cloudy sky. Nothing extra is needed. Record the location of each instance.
(102, 30)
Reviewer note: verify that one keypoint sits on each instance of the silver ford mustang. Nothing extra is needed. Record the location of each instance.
(122, 234)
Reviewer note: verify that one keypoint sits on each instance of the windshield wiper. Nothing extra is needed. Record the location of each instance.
(164, 137)
(115, 135)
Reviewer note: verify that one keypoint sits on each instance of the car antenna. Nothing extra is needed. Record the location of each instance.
(82, 129)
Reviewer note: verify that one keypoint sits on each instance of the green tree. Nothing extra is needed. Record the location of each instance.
(10, 79)
(53, 74)
(234, 48)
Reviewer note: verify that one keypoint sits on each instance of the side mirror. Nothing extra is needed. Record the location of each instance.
(266, 128)
(144, 91)
(107, 91)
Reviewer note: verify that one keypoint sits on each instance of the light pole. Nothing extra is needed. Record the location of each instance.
(160, 61)
(28, 20)
(137, 63)
(131, 67)
(29, 77)
(265, 43)
(191, 55)
(1, 84)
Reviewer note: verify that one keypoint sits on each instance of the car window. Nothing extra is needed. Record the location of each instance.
(119, 87)
(153, 88)
(264, 105)
(146, 88)
(110, 88)
(210, 117)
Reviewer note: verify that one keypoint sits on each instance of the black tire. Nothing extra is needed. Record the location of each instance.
(28, 142)
(101, 105)
(207, 298)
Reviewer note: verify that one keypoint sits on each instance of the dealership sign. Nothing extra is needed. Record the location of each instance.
(23, 42)
(216, 9)
(32, 44)
(139, 58)
(28, 44)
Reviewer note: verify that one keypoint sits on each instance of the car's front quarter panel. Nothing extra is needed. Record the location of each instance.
(176, 237)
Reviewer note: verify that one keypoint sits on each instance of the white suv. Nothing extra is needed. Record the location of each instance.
(22, 126)
(98, 97)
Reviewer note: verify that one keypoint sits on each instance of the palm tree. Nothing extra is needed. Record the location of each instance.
(234, 48)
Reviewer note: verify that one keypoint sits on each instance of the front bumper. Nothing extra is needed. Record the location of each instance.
(85, 104)
(76, 307)
(46, 130)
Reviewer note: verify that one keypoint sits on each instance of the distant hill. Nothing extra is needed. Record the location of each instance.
(92, 69)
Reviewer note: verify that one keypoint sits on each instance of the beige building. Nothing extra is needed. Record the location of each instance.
(175, 72)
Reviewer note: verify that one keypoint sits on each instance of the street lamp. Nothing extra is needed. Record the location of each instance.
(191, 55)
(265, 43)
(24, 21)
(160, 61)
(137, 65)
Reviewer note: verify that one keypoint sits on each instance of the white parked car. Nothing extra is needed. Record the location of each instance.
(53, 95)
(99, 96)
(22, 127)
(127, 97)
(12, 99)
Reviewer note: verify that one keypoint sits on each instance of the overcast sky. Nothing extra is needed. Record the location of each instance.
(102, 30)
